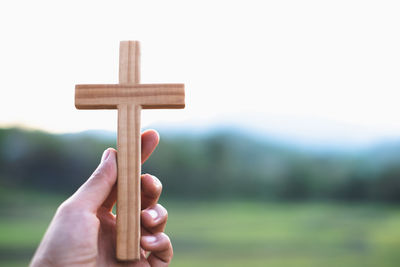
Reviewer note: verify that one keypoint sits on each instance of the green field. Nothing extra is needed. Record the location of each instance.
(236, 233)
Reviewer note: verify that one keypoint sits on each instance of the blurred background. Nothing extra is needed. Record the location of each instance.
(287, 154)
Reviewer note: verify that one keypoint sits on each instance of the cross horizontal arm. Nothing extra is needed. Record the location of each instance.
(148, 96)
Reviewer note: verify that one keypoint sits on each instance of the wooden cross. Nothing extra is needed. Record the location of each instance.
(129, 97)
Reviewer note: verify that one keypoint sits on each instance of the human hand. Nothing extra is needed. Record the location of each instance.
(82, 232)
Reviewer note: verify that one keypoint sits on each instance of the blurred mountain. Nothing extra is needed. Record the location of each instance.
(300, 131)
(224, 163)
(97, 134)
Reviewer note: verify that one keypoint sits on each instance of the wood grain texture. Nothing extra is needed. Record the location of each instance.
(129, 167)
(128, 197)
(129, 97)
(109, 96)
(129, 62)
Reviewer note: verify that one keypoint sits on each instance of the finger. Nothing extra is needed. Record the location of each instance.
(160, 247)
(154, 218)
(150, 139)
(110, 201)
(151, 189)
(97, 188)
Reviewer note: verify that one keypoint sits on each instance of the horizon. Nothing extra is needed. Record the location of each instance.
(263, 135)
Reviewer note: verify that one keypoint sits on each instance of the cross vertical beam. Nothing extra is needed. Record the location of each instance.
(129, 158)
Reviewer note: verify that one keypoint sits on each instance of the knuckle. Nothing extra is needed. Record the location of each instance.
(168, 247)
(157, 182)
(166, 238)
(146, 175)
(104, 174)
(163, 211)
(67, 207)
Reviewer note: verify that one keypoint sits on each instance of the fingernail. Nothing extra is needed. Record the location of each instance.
(106, 153)
(153, 214)
(149, 239)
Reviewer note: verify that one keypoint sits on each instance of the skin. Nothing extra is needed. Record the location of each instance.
(83, 233)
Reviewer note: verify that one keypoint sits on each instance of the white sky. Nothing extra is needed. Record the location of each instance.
(313, 68)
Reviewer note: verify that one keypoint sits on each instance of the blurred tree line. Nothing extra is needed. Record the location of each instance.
(222, 165)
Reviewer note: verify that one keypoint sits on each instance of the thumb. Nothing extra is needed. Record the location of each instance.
(96, 189)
